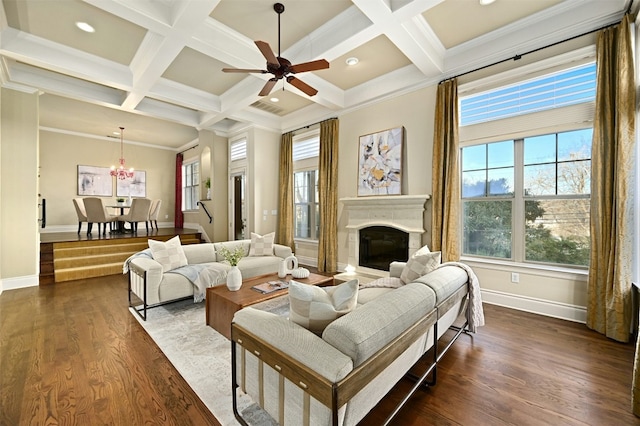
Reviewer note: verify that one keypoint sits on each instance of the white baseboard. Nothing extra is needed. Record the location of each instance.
(19, 282)
(536, 306)
(308, 261)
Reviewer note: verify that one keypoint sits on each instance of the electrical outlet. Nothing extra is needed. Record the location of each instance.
(166, 216)
(515, 277)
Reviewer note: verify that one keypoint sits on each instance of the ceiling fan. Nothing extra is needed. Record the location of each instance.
(281, 67)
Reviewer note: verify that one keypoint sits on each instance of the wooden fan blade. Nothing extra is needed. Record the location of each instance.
(266, 51)
(243, 70)
(304, 87)
(267, 87)
(320, 64)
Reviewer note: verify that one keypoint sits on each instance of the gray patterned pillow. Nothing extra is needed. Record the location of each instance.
(420, 265)
(262, 245)
(169, 254)
(315, 307)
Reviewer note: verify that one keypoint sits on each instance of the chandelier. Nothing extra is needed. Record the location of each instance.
(121, 172)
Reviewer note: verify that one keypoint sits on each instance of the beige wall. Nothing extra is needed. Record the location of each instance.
(19, 189)
(264, 177)
(413, 111)
(60, 154)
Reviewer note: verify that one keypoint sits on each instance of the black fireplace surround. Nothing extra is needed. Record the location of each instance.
(381, 245)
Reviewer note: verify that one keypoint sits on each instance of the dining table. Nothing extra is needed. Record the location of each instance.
(121, 229)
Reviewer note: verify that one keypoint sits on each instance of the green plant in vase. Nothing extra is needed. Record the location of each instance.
(234, 277)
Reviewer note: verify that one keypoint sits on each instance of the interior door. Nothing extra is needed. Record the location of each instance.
(238, 207)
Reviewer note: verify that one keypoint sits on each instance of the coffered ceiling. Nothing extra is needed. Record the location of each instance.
(154, 66)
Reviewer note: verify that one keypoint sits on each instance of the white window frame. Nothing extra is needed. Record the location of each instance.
(306, 163)
(195, 188)
(567, 118)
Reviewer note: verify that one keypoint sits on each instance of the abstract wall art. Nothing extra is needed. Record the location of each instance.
(380, 163)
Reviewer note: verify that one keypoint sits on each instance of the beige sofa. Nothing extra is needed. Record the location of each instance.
(299, 377)
(155, 287)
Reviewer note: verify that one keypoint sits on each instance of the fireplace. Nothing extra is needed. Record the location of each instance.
(397, 213)
(381, 245)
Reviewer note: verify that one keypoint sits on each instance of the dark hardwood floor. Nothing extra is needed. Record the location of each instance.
(72, 354)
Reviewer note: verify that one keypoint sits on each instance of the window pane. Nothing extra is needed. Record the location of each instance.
(474, 184)
(500, 181)
(474, 157)
(540, 180)
(574, 177)
(540, 149)
(557, 231)
(302, 221)
(500, 154)
(487, 228)
(575, 145)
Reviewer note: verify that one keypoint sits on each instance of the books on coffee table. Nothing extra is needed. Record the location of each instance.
(271, 286)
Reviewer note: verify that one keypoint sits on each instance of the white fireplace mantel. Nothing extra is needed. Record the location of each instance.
(403, 212)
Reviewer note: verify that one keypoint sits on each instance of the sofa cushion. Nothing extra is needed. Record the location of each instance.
(315, 307)
(262, 245)
(199, 253)
(366, 330)
(419, 265)
(169, 254)
(444, 281)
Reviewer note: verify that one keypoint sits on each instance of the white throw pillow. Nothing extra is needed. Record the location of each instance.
(422, 250)
(169, 254)
(262, 245)
(315, 307)
(420, 265)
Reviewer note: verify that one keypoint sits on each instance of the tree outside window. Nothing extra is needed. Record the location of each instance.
(547, 197)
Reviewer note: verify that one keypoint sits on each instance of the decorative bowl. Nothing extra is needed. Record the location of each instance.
(300, 273)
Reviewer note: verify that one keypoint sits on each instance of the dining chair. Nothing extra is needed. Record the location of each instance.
(97, 213)
(153, 213)
(78, 203)
(139, 212)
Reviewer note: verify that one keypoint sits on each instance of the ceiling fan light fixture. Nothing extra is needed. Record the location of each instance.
(85, 27)
(486, 2)
(352, 61)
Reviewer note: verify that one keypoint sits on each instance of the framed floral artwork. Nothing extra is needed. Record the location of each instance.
(380, 163)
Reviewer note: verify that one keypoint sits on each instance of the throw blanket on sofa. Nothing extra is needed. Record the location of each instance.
(201, 276)
(475, 314)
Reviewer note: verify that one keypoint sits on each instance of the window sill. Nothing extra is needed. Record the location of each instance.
(305, 241)
(560, 272)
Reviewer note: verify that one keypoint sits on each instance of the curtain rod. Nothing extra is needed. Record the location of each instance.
(519, 56)
(188, 149)
(313, 124)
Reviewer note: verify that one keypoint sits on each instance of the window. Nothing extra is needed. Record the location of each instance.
(539, 185)
(306, 207)
(555, 90)
(190, 185)
(305, 186)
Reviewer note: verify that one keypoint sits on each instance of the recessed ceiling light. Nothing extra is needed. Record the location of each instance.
(85, 27)
(486, 2)
(352, 61)
(274, 100)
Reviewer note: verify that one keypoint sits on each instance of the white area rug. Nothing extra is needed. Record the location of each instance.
(202, 356)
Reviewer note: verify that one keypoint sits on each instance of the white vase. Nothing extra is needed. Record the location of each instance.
(234, 279)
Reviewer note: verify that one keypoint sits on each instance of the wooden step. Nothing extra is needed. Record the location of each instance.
(88, 272)
(98, 259)
(73, 260)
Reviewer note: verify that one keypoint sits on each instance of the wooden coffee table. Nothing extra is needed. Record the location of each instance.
(222, 304)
